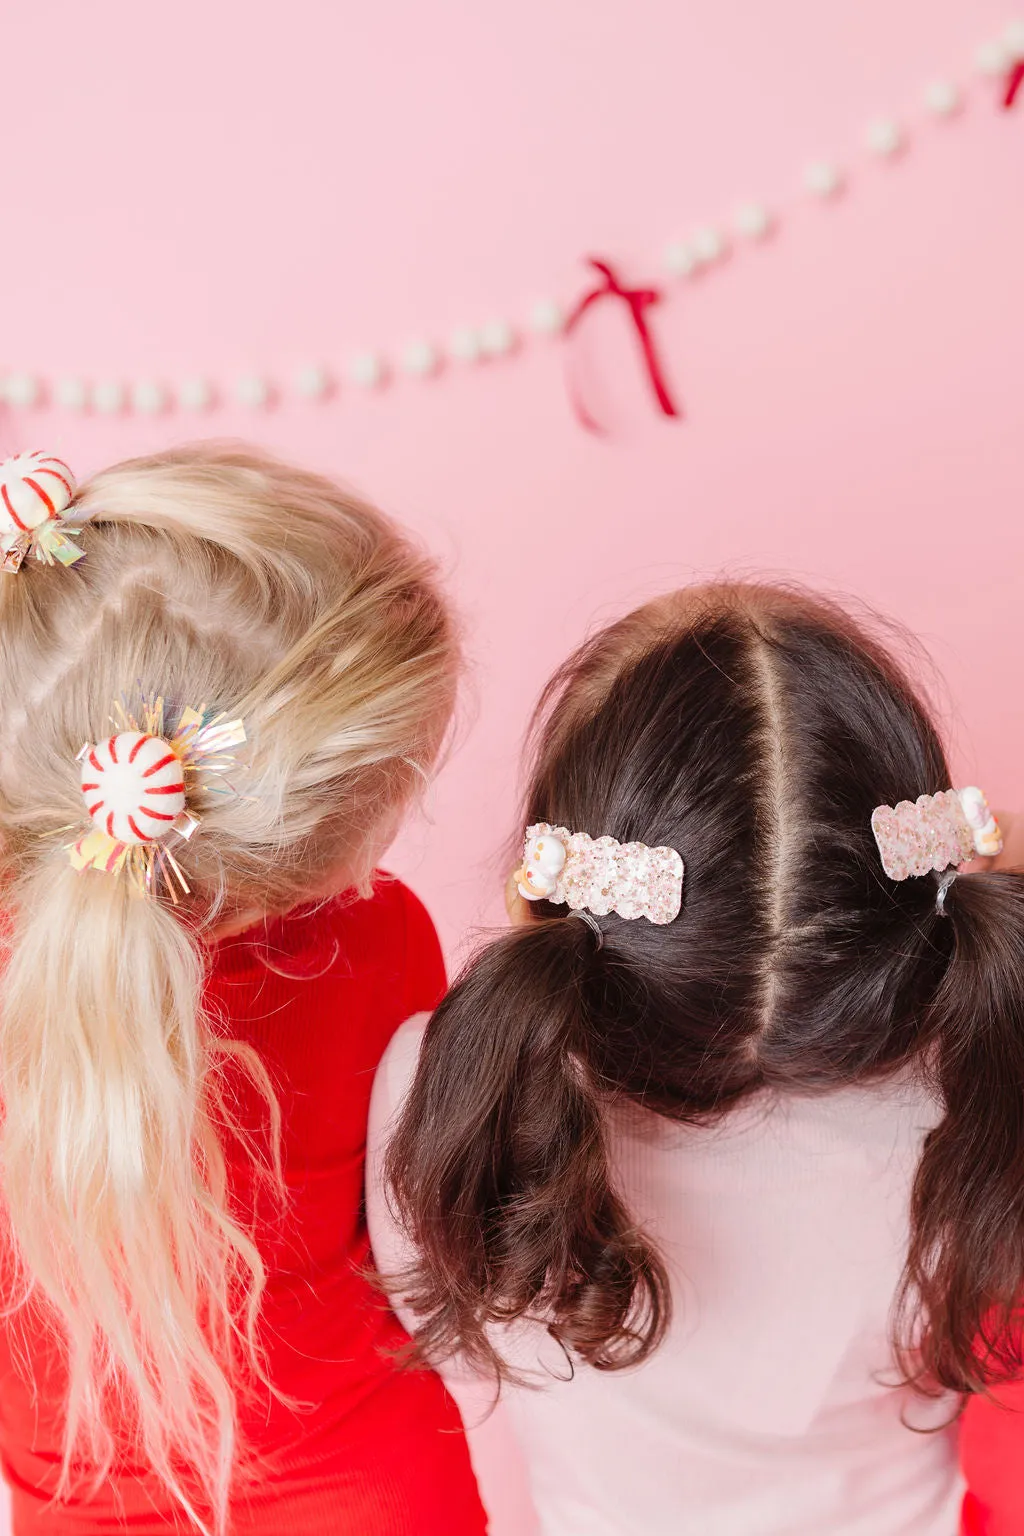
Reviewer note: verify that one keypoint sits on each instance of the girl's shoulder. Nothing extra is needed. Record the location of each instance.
(396, 1071)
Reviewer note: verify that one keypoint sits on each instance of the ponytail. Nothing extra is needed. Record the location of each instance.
(499, 1167)
(114, 1177)
(965, 1269)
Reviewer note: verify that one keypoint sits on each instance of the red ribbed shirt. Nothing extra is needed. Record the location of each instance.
(377, 1450)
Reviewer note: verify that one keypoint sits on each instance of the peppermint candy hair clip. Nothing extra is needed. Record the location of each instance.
(600, 875)
(36, 512)
(137, 785)
(935, 832)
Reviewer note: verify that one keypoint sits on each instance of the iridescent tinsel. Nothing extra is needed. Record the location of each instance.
(203, 742)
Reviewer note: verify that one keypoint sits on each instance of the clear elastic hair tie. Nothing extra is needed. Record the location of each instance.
(945, 881)
(594, 926)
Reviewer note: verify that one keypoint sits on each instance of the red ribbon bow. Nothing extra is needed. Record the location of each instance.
(1014, 81)
(638, 301)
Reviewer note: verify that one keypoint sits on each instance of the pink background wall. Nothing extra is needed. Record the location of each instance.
(229, 187)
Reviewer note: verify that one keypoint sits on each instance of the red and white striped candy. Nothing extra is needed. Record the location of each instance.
(134, 786)
(34, 487)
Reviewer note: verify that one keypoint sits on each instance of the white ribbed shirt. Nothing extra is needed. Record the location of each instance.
(770, 1408)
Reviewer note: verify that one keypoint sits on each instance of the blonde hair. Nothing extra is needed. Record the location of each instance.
(213, 576)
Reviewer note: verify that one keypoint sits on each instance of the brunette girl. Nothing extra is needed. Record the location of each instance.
(715, 1159)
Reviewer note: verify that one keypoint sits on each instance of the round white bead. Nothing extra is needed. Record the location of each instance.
(547, 317)
(252, 391)
(419, 358)
(709, 244)
(942, 98)
(680, 258)
(148, 397)
(195, 394)
(108, 397)
(822, 178)
(1013, 37)
(22, 389)
(366, 370)
(134, 786)
(993, 58)
(884, 137)
(752, 220)
(464, 344)
(313, 382)
(71, 394)
(497, 338)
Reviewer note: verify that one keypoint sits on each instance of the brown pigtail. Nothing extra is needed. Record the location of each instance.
(500, 1170)
(966, 1261)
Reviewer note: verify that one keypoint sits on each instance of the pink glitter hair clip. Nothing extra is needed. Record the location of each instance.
(600, 875)
(935, 832)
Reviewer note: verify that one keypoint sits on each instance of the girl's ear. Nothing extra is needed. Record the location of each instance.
(515, 905)
(239, 922)
(1011, 825)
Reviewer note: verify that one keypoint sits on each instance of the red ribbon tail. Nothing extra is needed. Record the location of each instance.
(654, 372)
(1014, 81)
(637, 300)
(583, 416)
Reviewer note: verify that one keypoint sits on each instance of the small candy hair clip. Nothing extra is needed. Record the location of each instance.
(935, 832)
(600, 875)
(36, 512)
(137, 785)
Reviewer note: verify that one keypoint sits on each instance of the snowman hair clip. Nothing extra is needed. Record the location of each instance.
(599, 875)
(37, 511)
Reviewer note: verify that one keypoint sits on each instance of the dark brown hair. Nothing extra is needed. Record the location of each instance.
(755, 731)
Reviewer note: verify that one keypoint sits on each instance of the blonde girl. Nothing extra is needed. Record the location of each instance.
(196, 990)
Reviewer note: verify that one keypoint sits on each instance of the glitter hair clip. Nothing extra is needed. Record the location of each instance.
(137, 788)
(935, 832)
(36, 512)
(600, 875)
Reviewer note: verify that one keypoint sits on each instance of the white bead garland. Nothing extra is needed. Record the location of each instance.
(252, 391)
(195, 394)
(22, 390)
(942, 98)
(547, 317)
(709, 244)
(419, 358)
(884, 137)
(71, 394)
(366, 369)
(680, 258)
(312, 382)
(822, 178)
(752, 220)
(497, 338)
(108, 397)
(148, 397)
(993, 58)
(464, 344)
